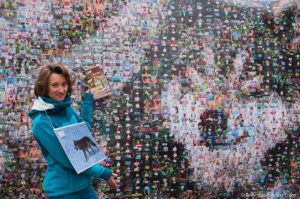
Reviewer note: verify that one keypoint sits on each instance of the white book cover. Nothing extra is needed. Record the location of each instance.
(80, 146)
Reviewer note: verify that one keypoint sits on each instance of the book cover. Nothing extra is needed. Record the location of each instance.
(80, 146)
(97, 82)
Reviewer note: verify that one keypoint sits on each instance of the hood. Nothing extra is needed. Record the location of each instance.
(50, 105)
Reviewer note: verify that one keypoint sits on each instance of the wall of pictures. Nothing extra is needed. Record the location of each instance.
(205, 100)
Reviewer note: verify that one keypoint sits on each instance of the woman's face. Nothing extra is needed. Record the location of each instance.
(57, 87)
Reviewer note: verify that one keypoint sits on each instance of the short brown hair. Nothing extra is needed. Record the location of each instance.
(41, 84)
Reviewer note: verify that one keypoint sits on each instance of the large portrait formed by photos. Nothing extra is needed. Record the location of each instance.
(204, 93)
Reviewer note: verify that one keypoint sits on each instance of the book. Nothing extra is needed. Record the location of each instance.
(97, 82)
(80, 146)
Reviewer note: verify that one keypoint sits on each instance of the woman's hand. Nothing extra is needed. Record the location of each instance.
(102, 93)
(112, 182)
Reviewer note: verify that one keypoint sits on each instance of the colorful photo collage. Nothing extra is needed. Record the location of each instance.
(203, 94)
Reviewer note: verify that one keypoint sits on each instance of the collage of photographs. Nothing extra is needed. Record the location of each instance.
(193, 98)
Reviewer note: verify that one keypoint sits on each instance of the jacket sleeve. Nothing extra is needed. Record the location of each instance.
(48, 141)
(87, 109)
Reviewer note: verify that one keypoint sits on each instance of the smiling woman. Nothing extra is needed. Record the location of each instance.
(53, 110)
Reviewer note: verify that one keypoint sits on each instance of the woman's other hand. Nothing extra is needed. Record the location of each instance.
(112, 182)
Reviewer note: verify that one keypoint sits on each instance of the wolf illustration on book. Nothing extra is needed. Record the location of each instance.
(87, 146)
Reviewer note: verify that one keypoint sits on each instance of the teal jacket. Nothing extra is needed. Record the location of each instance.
(61, 177)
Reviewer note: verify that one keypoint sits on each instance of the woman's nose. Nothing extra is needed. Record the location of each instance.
(61, 89)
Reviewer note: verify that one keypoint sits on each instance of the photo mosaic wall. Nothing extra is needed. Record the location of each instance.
(205, 100)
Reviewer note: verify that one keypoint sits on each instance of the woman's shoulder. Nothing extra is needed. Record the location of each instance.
(40, 124)
(41, 119)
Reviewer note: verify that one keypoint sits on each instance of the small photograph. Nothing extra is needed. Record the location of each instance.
(97, 81)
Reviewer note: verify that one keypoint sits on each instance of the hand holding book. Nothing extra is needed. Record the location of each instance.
(97, 83)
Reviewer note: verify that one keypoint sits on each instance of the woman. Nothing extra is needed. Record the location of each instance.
(53, 109)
